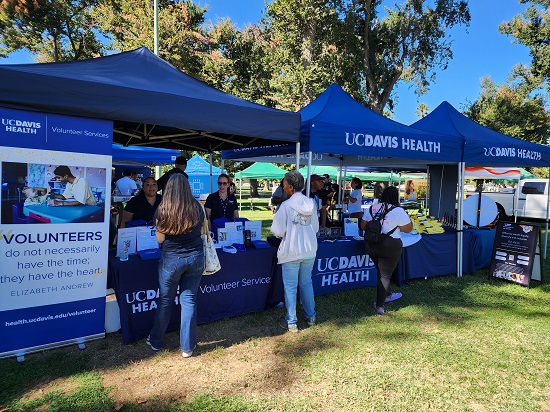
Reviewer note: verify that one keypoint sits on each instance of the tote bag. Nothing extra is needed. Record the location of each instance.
(211, 260)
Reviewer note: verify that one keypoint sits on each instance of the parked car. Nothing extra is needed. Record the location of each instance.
(529, 199)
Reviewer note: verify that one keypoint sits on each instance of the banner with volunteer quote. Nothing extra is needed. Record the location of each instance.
(54, 229)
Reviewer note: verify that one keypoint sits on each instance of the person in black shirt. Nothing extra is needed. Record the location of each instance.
(221, 203)
(180, 166)
(179, 226)
(319, 196)
(144, 205)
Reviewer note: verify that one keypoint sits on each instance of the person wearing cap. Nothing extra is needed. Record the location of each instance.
(180, 166)
(319, 196)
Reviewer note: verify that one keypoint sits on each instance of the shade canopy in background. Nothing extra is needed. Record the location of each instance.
(321, 170)
(498, 173)
(261, 171)
(150, 101)
(143, 156)
(198, 171)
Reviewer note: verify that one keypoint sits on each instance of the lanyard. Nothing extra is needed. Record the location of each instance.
(224, 203)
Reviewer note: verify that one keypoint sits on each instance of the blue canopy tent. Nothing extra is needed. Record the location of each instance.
(150, 101)
(201, 175)
(482, 146)
(340, 128)
(336, 129)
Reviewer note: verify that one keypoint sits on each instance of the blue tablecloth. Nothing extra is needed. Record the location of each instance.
(435, 255)
(66, 214)
(243, 285)
(482, 246)
(339, 265)
(342, 266)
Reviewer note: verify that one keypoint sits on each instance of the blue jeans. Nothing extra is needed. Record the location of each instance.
(185, 273)
(297, 276)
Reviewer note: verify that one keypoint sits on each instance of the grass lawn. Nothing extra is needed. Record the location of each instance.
(450, 344)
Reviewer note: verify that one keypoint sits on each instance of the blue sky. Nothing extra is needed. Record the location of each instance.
(478, 51)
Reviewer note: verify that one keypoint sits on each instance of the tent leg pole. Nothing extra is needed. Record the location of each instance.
(460, 219)
(297, 156)
(547, 215)
(308, 185)
(210, 161)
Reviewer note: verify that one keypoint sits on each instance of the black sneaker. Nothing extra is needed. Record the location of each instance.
(148, 342)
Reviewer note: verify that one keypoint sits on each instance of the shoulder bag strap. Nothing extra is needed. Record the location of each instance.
(205, 223)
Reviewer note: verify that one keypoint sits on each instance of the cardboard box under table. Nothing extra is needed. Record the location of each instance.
(243, 285)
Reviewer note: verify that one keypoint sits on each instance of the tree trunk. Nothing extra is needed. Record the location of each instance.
(254, 188)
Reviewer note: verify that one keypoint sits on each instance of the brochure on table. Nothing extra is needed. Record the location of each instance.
(126, 239)
(136, 239)
(351, 226)
(146, 238)
(235, 232)
(255, 227)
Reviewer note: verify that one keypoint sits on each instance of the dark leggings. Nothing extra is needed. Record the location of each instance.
(385, 257)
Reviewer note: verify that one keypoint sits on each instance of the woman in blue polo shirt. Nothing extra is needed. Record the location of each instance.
(221, 203)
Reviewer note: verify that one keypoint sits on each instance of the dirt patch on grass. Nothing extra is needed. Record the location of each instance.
(242, 356)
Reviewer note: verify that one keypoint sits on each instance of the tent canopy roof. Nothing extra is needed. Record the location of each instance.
(261, 171)
(483, 146)
(136, 155)
(337, 126)
(335, 123)
(150, 101)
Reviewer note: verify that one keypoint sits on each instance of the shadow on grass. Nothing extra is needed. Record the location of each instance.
(444, 300)
(39, 369)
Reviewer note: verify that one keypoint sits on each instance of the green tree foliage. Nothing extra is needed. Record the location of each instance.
(532, 30)
(365, 48)
(306, 40)
(422, 110)
(517, 108)
(182, 39)
(53, 30)
(238, 62)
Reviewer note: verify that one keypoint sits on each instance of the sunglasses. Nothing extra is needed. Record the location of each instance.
(223, 183)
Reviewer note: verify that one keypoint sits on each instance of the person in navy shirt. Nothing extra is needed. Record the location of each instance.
(221, 203)
(144, 205)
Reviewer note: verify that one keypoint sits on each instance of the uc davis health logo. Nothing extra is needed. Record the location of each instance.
(11, 125)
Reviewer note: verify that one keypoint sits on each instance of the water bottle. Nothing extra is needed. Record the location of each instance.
(247, 239)
(123, 255)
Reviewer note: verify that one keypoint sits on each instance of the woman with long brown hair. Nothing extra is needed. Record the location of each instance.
(179, 219)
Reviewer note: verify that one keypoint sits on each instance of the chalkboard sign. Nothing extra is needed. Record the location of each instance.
(515, 252)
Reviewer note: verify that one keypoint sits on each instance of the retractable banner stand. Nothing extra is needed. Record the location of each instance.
(53, 249)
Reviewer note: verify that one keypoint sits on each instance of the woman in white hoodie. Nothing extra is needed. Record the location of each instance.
(297, 224)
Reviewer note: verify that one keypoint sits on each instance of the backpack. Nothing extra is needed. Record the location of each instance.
(373, 229)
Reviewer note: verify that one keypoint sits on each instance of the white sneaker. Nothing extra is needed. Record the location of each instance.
(311, 321)
(187, 354)
(291, 327)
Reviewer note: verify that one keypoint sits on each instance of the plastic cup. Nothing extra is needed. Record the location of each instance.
(124, 255)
